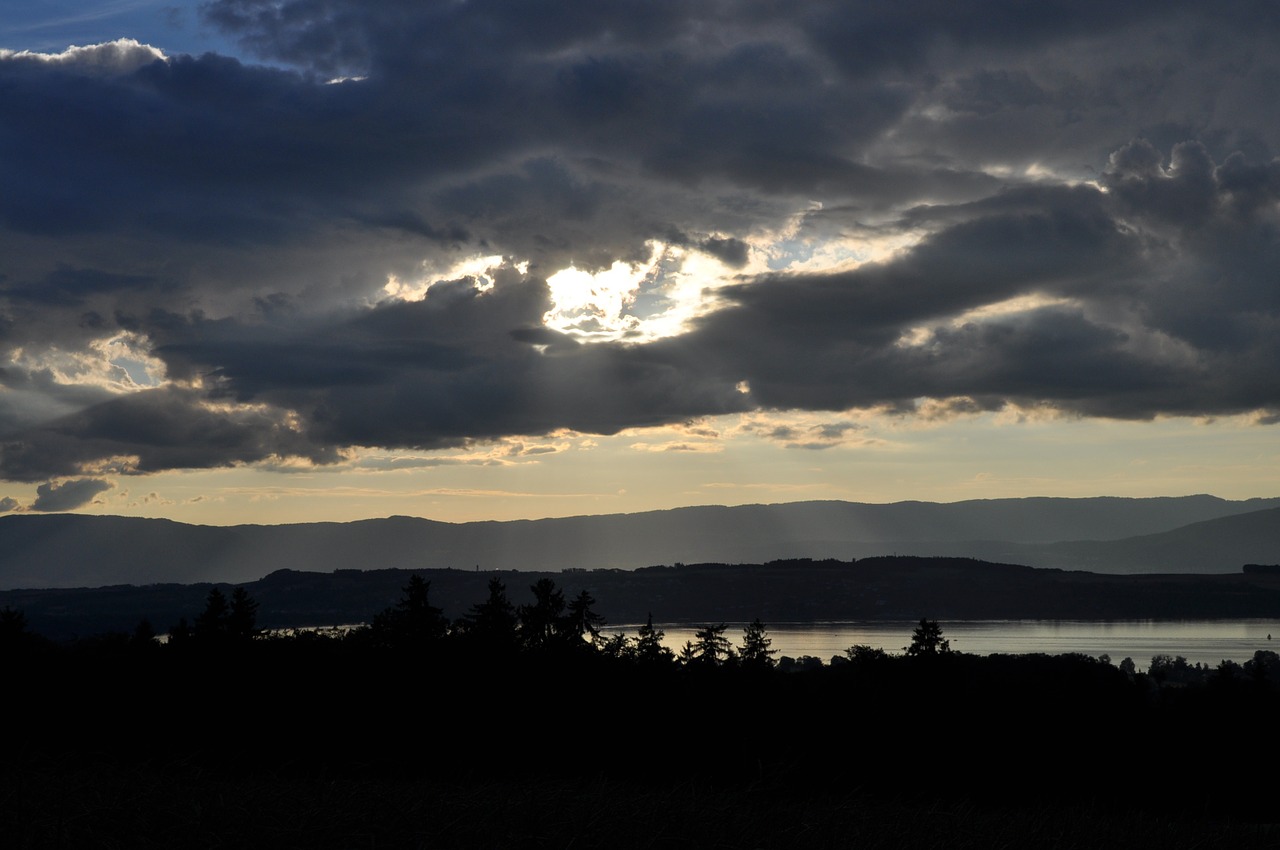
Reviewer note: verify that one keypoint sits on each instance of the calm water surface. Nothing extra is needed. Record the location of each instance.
(1199, 641)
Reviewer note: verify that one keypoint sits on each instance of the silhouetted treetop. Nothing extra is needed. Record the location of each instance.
(492, 624)
(221, 620)
(542, 624)
(927, 639)
(710, 647)
(413, 623)
(756, 653)
(242, 618)
(213, 620)
(649, 648)
(582, 620)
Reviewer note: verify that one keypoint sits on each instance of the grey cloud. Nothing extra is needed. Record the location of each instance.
(1059, 245)
(1191, 190)
(466, 364)
(813, 437)
(836, 430)
(401, 462)
(70, 287)
(242, 220)
(30, 397)
(1184, 195)
(8, 504)
(460, 364)
(354, 37)
(1248, 186)
(153, 430)
(114, 57)
(902, 37)
(68, 495)
(1051, 357)
(1126, 350)
(730, 251)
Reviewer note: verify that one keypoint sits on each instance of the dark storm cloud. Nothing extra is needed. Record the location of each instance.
(72, 287)
(149, 431)
(871, 37)
(797, 335)
(732, 252)
(1114, 167)
(28, 397)
(458, 365)
(68, 495)
(1125, 348)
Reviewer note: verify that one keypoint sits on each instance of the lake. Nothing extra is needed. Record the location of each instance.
(1199, 641)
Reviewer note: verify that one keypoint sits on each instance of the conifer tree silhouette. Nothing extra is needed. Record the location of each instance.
(582, 621)
(413, 622)
(711, 648)
(756, 653)
(649, 647)
(491, 625)
(222, 621)
(211, 624)
(927, 639)
(542, 624)
(242, 616)
(15, 636)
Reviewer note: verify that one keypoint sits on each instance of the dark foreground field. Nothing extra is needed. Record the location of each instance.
(109, 806)
(320, 743)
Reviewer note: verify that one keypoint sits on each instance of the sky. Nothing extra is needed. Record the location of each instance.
(290, 260)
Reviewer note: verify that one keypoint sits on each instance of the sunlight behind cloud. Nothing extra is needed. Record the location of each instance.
(118, 364)
(130, 354)
(113, 57)
(635, 302)
(478, 268)
(827, 240)
(922, 335)
(1010, 306)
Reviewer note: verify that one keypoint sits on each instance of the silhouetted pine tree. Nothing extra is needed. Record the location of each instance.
(242, 616)
(414, 622)
(649, 648)
(542, 624)
(711, 648)
(927, 640)
(491, 626)
(211, 624)
(582, 621)
(756, 653)
(15, 635)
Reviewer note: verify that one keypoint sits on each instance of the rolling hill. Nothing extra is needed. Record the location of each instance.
(1193, 534)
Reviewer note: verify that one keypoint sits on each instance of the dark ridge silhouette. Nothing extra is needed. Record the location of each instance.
(1124, 535)
(794, 590)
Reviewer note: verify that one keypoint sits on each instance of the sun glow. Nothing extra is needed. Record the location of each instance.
(478, 268)
(635, 302)
(119, 364)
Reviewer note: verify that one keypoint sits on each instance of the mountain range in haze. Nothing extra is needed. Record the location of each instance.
(1191, 534)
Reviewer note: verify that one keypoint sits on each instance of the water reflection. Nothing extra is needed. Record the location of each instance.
(1199, 641)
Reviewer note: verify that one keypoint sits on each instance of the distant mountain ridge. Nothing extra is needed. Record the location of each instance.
(1197, 534)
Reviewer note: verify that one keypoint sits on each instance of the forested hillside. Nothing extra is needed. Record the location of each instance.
(889, 588)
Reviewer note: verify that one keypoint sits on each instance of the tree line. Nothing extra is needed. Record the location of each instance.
(553, 627)
(549, 626)
(541, 687)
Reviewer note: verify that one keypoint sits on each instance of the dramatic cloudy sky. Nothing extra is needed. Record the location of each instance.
(275, 260)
